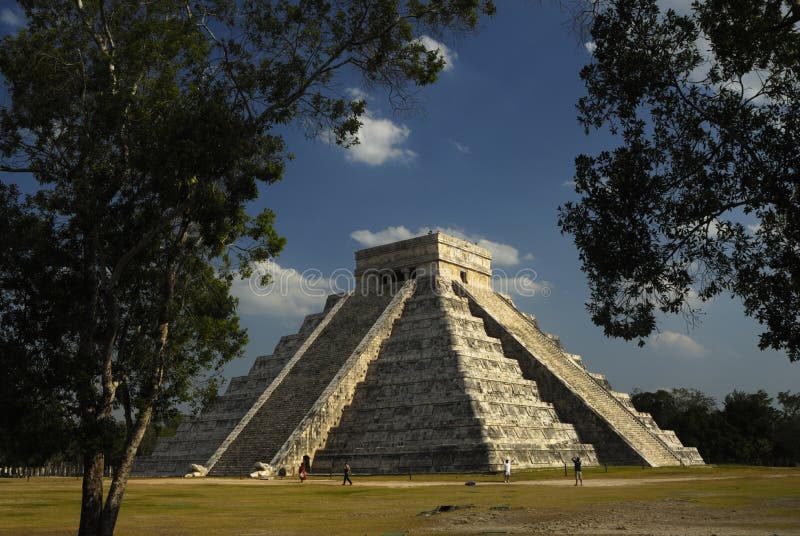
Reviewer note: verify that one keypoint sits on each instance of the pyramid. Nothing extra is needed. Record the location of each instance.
(422, 368)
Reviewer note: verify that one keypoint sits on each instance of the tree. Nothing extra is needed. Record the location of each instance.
(787, 437)
(702, 195)
(660, 404)
(747, 430)
(692, 415)
(149, 126)
(755, 419)
(33, 427)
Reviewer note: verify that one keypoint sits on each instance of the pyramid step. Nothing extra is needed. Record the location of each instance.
(197, 439)
(295, 392)
(574, 377)
(431, 380)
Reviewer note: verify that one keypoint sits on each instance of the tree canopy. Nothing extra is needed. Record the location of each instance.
(748, 429)
(150, 126)
(702, 194)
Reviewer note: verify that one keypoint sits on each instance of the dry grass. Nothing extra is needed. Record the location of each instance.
(722, 500)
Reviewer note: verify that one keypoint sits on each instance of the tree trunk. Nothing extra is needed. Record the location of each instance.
(120, 480)
(92, 493)
(110, 513)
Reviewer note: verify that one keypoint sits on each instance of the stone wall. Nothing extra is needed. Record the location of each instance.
(424, 256)
(293, 393)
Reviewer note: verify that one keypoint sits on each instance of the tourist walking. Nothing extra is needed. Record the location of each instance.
(578, 474)
(302, 472)
(507, 471)
(347, 472)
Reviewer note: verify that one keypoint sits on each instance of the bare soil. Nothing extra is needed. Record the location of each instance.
(659, 518)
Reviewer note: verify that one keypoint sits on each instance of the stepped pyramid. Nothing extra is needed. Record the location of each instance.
(423, 368)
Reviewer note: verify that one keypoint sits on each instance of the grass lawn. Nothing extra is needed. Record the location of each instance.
(718, 500)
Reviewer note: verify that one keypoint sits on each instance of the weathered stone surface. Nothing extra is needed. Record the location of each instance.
(294, 393)
(424, 369)
(435, 254)
(198, 438)
(616, 430)
(442, 397)
(312, 432)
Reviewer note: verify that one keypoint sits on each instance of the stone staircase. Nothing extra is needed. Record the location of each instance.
(280, 409)
(521, 336)
(687, 455)
(312, 432)
(198, 437)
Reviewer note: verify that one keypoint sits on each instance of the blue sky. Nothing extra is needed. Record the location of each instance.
(488, 155)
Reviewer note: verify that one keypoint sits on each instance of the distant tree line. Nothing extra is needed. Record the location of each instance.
(50, 442)
(749, 428)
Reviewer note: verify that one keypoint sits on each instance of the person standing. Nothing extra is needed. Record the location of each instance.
(578, 474)
(347, 472)
(302, 472)
(507, 471)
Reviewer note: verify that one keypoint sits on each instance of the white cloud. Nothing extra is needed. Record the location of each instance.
(678, 344)
(356, 93)
(386, 236)
(568, 184)
(753, 227)
(447, 55)
(528, 257)
(290, 294)
(502, 254)
(752, 84)
(693, 300)
(380, 141)
(461, 148)
(590, 47)
(709, 229)
(12, 18)
(524, 283)
(712, 231)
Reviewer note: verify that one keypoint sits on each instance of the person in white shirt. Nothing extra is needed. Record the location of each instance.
(507, 471)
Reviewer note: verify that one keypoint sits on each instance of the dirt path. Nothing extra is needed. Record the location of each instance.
(697, 510)
(371, 482)
(666, 517)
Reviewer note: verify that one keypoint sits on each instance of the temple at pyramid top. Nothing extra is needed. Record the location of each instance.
(423, 369)
(433, 254)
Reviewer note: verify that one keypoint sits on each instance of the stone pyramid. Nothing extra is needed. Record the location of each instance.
(423, 368)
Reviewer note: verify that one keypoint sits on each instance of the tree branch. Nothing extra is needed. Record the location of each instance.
(129, 255)
(705, 222)
(9, 169)
(705, 115)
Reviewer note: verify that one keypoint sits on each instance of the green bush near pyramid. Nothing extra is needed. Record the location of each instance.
(423, 368)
